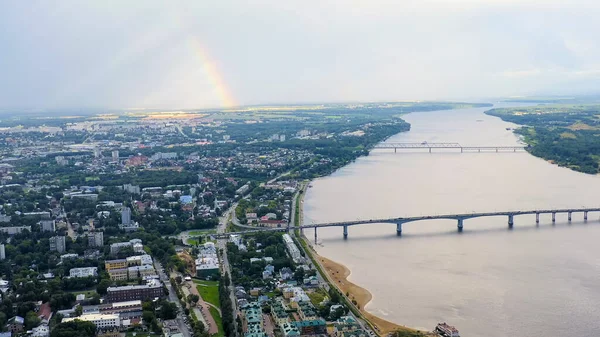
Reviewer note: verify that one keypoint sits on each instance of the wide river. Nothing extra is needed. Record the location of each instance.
(488, 280)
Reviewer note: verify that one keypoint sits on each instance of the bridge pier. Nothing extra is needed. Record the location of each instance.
(585, 216)
(459, 225)
(537, 217)
(315, 235)
(395, 150)
(399, 229)
(461, 149)
(553, 217)
(569, 215)
(345, 232)
(510, 221)
(429, 150)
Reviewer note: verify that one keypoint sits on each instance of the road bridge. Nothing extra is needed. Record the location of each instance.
(430, 146)
(459, 218)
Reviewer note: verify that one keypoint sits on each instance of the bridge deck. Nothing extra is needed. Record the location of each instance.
(460, 216)
(426, 145)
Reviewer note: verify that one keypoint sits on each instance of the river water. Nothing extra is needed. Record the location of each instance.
(488, 280)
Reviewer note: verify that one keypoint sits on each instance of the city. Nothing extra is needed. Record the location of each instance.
(299, 168)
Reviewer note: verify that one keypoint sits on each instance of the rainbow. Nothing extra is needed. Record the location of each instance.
(212, 73)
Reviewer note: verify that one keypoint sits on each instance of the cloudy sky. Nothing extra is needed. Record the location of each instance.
(205, 53)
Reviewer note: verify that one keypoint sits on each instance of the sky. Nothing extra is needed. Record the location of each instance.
(202, 54)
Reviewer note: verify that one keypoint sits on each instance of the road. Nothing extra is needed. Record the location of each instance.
(183, 328)
(222, 244)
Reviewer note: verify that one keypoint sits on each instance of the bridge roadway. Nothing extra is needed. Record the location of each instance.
(430, 146)
(460, 218)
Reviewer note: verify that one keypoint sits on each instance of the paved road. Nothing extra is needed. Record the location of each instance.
(225, 268)
(183, 328)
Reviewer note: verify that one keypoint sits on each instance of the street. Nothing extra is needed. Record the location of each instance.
(183, 328)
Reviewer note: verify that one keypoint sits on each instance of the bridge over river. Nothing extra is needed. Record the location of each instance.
(459, 218)
(430, 146)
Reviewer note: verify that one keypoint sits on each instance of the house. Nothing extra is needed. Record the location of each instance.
(267, 275)
(280, 316)
(344, 325)
(15, 324)
(255, 292)
(270, 268)
(289, 330)
(311, 281)
(311, 327)
(41, 331)
(286, 273)
(240, 293)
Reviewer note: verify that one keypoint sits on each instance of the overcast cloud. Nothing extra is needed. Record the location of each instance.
(203, 53)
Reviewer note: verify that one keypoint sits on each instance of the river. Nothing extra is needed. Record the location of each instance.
(488, 280)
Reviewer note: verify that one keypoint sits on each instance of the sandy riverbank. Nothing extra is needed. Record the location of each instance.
(338, 274)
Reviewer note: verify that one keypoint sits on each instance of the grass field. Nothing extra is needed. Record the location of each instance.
(209, 290)
(215, 314)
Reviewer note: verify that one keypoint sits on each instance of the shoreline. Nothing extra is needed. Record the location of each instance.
(337, 274)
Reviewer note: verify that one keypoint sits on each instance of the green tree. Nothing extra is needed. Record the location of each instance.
(74, 329)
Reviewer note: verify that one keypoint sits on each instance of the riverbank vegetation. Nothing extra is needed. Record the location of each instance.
(564, 134)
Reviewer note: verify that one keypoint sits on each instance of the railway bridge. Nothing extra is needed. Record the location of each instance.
(431, 146)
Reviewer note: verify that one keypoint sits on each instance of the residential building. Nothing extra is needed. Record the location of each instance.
(118, 274)
(115, 155)
(136, 272)
(151, 290)
(133, 189)
(311, 327)
(83, 272)
(12, 230)
(280, 316)
(207, 263)
(289, 330)
(139, 260)
(307, 311)
(126, 216)
(58, 243)
(65, 257)
(96, 239)
(286, 273)
(253, 319)
(102, 321)
(343, 325)
(136, 244)
(293, 249)
(40, 331)
(2, 252)
(47, 225)
(15, 324)
(115, 264)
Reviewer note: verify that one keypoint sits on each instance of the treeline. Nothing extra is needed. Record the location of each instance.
(226, 307)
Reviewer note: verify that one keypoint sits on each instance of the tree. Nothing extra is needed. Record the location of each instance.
(193, 299)
(299, 274)
(178, 279)
(31, 320)
(103, 286)
(74, 329)
(78, 310)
